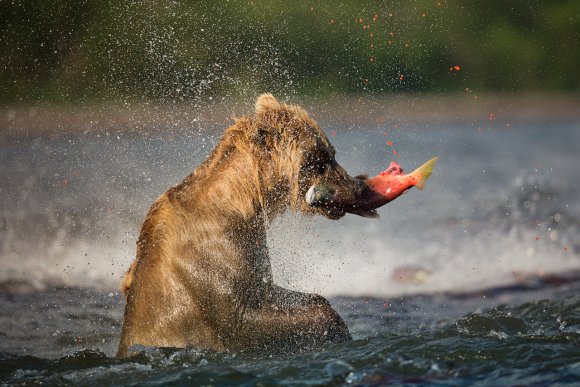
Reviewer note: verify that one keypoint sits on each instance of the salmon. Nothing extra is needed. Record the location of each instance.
(389, 185)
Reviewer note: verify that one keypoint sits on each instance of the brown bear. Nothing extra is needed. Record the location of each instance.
(202, 274)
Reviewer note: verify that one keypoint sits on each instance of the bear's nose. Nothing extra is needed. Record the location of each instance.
(319, 195)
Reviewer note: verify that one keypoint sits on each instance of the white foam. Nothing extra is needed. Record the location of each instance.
(357, 259)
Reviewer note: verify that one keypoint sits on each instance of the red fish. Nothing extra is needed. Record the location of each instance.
(390, 184)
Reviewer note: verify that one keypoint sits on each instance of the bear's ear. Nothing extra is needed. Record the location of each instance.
(265, 103)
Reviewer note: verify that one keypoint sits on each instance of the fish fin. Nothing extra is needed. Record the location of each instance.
(362, 176)
(423, 172)
(372, 214)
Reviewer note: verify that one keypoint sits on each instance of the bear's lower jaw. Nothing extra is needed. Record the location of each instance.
(332, 213)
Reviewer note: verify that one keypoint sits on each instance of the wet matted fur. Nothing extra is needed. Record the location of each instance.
(202, 274)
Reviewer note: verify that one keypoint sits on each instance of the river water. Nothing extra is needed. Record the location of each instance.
(474, 280)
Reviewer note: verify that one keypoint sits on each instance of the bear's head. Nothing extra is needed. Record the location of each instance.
(298, 162)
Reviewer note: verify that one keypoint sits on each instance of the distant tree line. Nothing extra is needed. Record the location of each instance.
(93, 50)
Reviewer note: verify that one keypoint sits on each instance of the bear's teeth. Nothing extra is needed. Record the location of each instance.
(310, 195)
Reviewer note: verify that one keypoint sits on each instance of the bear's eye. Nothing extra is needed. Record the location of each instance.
(320, 168)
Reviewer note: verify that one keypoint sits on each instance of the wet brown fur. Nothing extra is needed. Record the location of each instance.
(202, 274)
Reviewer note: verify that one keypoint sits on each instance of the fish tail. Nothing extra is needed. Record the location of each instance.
(423, 172)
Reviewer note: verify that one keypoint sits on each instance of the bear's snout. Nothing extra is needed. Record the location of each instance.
(334, 200)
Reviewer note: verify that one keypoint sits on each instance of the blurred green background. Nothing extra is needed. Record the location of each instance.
(84, 51)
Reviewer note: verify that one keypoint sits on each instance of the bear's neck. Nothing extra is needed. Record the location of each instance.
(236, 185)
(224, 196)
